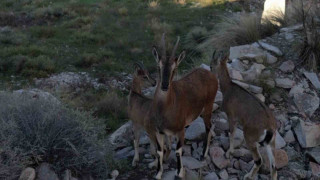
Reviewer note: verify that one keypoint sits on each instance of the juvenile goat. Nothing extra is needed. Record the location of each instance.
(178, 103)
(259, 124)
(139, 107)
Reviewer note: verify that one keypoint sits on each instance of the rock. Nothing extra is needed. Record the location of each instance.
(189, 175)
(238, 138)
(259, 58)
(315, 168)
(271, 48)
(271, 59)
(238, 65)
(287, 66)
(306, 103)
(114, 174)
(297, 27)
(280, 142)
(253, 73)
(297, 89)
(196, 130)
(217, 157)
(261, 97)
(219, 97)
(289, 36)
(224, 174)
(46, 173)
(289, 137)
(234, 74)
(123, 153)
(192, 163)
(28, 174)
(123, 135)
(243, 154)
(285, 83)
(222, 124)
(313, 78)
(211, 176)
(315, 154)
(186, 150)
(37, 94)
(308, 134)
(246, 167)
(246, 51)
(206, 67)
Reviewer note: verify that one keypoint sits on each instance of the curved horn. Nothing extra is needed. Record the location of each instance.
(175, 48)
(139, 64)
(163, 45)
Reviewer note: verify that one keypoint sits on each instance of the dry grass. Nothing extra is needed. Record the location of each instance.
(153, 4)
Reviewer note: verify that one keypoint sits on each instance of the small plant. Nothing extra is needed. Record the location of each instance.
(154, 4)
(40, 66)
(123, 11)
(36, 130)
(87, 60)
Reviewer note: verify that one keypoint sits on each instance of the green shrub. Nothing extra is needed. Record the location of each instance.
(87, 60)
(39, 66)
(35, 130)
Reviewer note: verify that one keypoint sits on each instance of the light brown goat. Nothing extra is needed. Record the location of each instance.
(259, 124)
(138, 108)
(178, 103)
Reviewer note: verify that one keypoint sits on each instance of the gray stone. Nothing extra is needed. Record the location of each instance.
(289, 137)
(271, 48)
(222, 124)
(192, 163)
(271, 59)
(28, 174)
(315, 168)
(123, 135)
(313, 78)
(196, 130)
(189, 175)
(238, 65)
(224, 174)
(123, 153)
(37, 94)
(217, 157)
(235, 74)
(308, 134)
(297, 89)
(238, 138)
(211, 176)
(306, 103)
(285, 83)
(206, 67)
(243, 154)
(249, 87)
(315, 154)
(46, 173)
(219, 97)
(253, 73)
(244, 166)
(260, 97)
(287, 66)
(280, 142)
(297, 27)
(246, 51)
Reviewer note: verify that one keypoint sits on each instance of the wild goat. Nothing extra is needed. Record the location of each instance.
(178, 103)
(259, 124)
(139, 107)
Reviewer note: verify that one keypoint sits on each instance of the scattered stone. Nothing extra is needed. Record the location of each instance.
(244, 166)
(271, 59)
(211, 176)
(224, 174)
(217, 157)
(206, 67)
(196, 130)
(243, 154)
(219, 97)
(261, 97)
(123, 153)
(46, 173)
(315, 154)
(297, 27)
(289, 137)
(285, 83)
(287, 66)
(281, 159)
(313, 78)
(123, 135)
(253, 73)
(189, 175)
(308, 134)
(238, 65)
(280, 142)
(28, 174)
(315, 168)
(192, 163)
(307, 103)
(271, 48)
(245, 51)
(238, 138)
(297, 89)
(222, 124)
(235, 74)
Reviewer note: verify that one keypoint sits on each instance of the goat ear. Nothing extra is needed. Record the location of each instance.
(181, 57)
(155, 54)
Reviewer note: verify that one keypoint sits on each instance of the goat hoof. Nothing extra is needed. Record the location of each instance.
(153, 164)
(134, 163)
(158, 176)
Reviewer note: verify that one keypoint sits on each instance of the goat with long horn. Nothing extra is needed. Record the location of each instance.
(178, 103)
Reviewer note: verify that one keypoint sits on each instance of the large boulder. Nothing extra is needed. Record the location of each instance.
(37, 94)
(196, 130)
(285, 83)
(122, 136)
(308, 134)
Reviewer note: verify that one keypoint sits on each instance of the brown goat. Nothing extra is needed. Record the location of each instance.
(259, 124)
(178, 103)
(138, 107)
